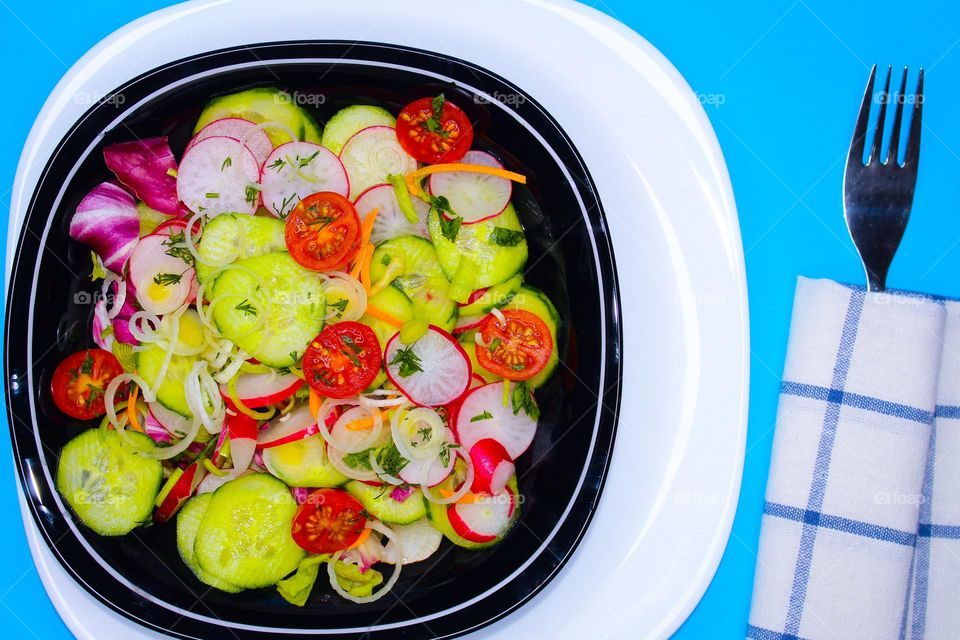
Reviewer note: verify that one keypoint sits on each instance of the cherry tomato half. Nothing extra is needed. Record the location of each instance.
(79, 382)
(323, 231)
(433, 137)
(329, 520)
(343, 360)
(516, 350)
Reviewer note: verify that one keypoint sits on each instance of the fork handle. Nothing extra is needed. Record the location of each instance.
(876, 282)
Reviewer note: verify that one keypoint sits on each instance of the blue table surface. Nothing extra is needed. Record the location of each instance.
(780, 81)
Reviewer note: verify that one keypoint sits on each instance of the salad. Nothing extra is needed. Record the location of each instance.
(314, 348)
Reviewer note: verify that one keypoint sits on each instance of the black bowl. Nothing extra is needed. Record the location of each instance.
(49, 315)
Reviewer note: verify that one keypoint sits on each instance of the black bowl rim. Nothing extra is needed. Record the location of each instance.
(352, 52)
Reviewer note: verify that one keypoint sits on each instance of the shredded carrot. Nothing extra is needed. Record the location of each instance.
(468, 498)
(363, 538)
(365, 423)
(413, 178)
(365, 267)
(367, 226)
(132, 416)
(315, 402)
(380, 314)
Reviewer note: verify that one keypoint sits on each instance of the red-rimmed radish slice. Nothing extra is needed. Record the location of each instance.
(261, 389)
(430, 472)
(242, 431)
(218, 175)
(474, 196)
(467, 323)
(444, 368)
(296, 425)
(492, 467)
(253, 136)
(372, 154)
(181, 491)
(484, 519)
(295, 170)
(390, 221)
(161, 282)
(514, 431)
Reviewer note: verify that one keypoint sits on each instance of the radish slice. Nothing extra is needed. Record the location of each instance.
(372, 154)
(181, 491)
(390, 221)
(261, 389)
(162, 282)
(251, 135)
(482, 520)
(514, 431)
(213, 482)
(242, 431)
(492, 466)
(218, 175)
(417, 542)
(445, 368)
(172, 421)
(467, 323)
(296, 425)
(430, 472)
(473, 196)
(294, 170)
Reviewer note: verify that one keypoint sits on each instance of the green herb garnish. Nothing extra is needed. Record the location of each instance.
(227, 162)
(167, 279)
(246, 307)
(408, 361)
(486, 415)
(522, 398)
(506, 237)
(390, 460)
(445, 452)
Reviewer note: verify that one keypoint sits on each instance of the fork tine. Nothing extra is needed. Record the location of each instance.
(893, 150)
(881, 115)
(860, 131)
(913, 141)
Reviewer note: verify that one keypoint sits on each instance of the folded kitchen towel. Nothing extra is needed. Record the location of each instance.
(853, 499)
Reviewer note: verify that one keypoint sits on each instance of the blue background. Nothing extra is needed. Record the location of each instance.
(780, 80)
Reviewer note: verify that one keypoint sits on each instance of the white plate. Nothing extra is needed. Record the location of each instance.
(671, 493)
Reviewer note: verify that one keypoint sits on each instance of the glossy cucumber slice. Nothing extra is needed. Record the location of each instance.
(394, 302)
(416, 271)
(263, 104)
(171, 393)
(188, 524)
(244, 538)
(378, 502)
(303, 463)
(495, 296)
(484, 254)
(230, 237)
(270, 306)
(350, 120)
(109, 487)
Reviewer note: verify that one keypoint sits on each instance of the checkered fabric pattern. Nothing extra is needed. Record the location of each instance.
(861, 525)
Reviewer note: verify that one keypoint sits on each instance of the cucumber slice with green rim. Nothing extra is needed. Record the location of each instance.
(418, 275)
(372, 154)
(245, 536)
(188, 524)
(171, 393)
(378, 502)
(350, 120)
(263, 104)
(303, 463)
(484, 254)
(109, 487)
(230, 237)
(394, 302)
(289, 298)
(495, 297)
(312, 132)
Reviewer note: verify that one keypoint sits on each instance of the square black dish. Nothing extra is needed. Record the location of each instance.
(141, 575)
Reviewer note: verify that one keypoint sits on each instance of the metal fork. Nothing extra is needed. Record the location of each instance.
(878, 195)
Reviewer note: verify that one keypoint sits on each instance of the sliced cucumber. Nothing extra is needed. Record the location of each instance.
(303, 463)
(479, 257)
(312, 131)
(418, 274)
(494, 297)
(245, 536)
(230, 237)
(171, 393)
(394, 302)
(188, 524)
(263, 104)
(350, 120)
(468, 344)
(109, 487)
(378, 502)
(270, 306)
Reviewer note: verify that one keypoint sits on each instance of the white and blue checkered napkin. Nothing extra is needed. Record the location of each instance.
(861, 525)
